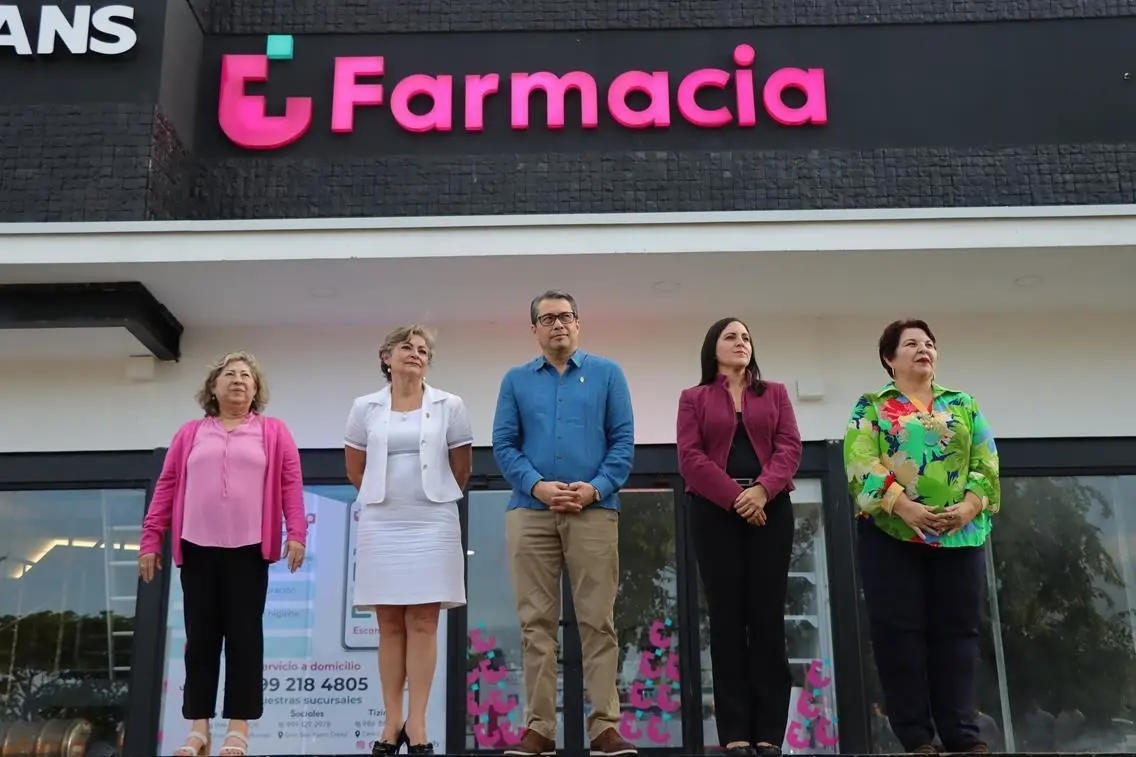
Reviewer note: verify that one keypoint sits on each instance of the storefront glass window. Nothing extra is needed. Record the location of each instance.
(495, 693)
(812, 724)
(68, 579)
(1064, 578)
(646, 620)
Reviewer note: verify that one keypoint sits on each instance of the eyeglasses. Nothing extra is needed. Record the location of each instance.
(549, 319)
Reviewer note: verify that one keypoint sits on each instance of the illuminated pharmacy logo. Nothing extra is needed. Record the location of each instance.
(244, 120)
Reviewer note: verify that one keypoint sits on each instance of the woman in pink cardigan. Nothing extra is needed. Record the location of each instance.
(230, 484)
(738, 450)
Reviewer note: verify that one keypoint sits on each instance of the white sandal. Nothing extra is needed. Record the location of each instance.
(187, 750)
(230, 750)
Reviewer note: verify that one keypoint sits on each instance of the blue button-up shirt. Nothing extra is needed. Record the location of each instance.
(572, 427)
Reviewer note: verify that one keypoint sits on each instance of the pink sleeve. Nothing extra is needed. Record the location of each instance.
(160, 511)
(703, 475)
(778, 472)
(292, 488)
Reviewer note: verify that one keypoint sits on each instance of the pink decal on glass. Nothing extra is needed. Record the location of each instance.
(555, 88)
(485, 739)
(664, 701)
(656, 86)
(659, 635)
(810, 82)
(440, 90)
(473, 706)
(347, 93)
(805, 707)
(655, 731)
(629, 726)
(706, 78)
(816, 677)
(502, 705)
(477, 88)
(637, 698)
(480, 645)
(490, 675)
(825, 733)
(672, 667)
(511, 736)
(243, 117)
(647, 668)
(796, 735)
(744, 56)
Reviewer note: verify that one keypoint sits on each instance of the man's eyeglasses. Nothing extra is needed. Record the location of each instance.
(549, 319)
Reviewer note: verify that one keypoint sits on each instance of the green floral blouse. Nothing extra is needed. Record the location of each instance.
(936, 455)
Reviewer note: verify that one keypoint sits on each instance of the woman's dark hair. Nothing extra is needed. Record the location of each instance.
(710, 357)
(889, 340)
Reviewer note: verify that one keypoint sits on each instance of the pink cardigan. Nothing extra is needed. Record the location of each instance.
(283, 492)
(707, 422)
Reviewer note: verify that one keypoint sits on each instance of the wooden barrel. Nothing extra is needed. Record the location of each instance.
(51, 738)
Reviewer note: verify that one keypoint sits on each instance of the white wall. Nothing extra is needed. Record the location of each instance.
(1027, 373)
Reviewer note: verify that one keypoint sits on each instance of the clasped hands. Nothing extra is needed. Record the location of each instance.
(750, 504)
(566, 498)
(925, 520)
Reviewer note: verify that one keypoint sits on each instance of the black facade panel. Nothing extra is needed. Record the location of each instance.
(394, 16)
(626, 182)
(76, 162)
(921, 113)
(76, 130)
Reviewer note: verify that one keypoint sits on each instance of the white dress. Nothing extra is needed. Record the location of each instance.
(409, 549)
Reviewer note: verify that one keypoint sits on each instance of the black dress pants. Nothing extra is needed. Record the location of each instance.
(223, 591)
(924, 608)
(745, 572)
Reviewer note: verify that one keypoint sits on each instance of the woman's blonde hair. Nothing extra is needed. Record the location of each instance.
(402, 335)
(208, 400)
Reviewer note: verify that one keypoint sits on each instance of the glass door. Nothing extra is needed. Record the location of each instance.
(812, 726)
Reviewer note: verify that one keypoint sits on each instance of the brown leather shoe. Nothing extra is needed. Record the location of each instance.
(979, 748)
(925, 749)
(532, 744)
(611, 744)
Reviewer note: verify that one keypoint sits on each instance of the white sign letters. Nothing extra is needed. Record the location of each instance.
(105, 30)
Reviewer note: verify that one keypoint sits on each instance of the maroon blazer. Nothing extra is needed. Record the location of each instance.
(706, 426)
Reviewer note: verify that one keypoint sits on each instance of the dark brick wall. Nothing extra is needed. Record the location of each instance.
(169, 189)
(669, 182)
(74, 163)
(393, 16)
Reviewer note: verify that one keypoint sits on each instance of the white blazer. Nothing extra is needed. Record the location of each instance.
(445, 426)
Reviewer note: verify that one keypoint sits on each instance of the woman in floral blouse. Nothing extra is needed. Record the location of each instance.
(923, 470)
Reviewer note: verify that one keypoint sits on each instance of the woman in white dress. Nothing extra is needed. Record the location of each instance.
(409, 450)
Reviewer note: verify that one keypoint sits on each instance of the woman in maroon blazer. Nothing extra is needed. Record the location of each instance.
(738, 450)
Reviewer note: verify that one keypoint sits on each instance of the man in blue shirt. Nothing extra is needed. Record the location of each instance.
(564, 438)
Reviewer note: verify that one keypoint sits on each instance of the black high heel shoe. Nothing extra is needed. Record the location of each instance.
(426, 748)
(386, 749)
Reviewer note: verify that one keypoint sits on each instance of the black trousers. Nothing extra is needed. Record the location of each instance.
(924, 607)
(745, 571)
(224, 591)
